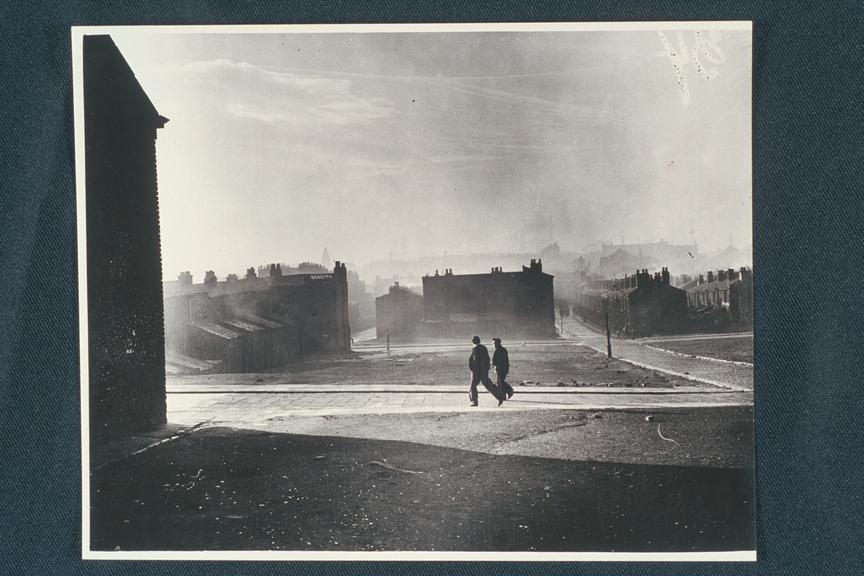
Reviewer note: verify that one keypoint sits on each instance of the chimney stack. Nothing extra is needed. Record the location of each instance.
(250, 273)
(340, 270)
(210, 278)
(710, 276)
(185, 278)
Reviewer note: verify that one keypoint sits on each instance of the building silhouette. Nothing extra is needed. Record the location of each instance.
(398, 313)
(721, 299)
(506, 304)
(637, 305)
(256, 323)
(124, 269)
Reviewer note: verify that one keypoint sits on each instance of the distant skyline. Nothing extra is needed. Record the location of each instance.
(413, 144)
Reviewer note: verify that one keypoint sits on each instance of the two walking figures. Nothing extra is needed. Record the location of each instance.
(480, 364)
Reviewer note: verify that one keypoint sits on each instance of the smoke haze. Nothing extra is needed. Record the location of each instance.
(405, 145)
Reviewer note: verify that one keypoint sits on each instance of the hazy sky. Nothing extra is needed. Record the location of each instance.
(418, 143)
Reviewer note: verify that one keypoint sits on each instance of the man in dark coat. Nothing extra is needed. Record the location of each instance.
(479, 365)
(501, 361)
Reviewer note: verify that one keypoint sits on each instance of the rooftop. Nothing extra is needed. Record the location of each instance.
(215, 329)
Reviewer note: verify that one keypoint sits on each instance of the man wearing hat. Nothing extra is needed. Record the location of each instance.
(479, 365)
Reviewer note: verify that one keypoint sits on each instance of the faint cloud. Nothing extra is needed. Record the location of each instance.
(286, 97)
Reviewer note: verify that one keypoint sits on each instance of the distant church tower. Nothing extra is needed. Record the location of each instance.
(325, 258)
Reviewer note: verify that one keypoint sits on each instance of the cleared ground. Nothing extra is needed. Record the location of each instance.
(737, 348)
(551, 364)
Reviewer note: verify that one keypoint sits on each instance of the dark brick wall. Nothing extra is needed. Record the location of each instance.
(124, 268)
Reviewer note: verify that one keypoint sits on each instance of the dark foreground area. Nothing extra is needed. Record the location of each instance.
(229, 489)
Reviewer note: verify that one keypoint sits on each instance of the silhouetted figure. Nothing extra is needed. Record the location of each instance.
(479, 365)
(501, 361)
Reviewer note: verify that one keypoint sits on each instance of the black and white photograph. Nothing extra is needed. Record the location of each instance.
(416, 292)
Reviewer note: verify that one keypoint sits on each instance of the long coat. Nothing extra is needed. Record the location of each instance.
(478, 362)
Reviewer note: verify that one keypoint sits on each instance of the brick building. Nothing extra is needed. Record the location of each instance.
(398, 313)
(722, 299)
(124, 267)
(257, 323)
(638, 305)
(505, 304)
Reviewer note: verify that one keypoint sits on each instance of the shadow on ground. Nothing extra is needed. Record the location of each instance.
(228, 489)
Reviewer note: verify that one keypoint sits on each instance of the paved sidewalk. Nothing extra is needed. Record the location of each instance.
(730, 375)
(191, 405)
(194, 406)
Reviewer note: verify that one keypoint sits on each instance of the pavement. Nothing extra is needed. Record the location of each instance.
(234, 405)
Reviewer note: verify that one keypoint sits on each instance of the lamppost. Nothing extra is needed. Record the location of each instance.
(608, 335)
